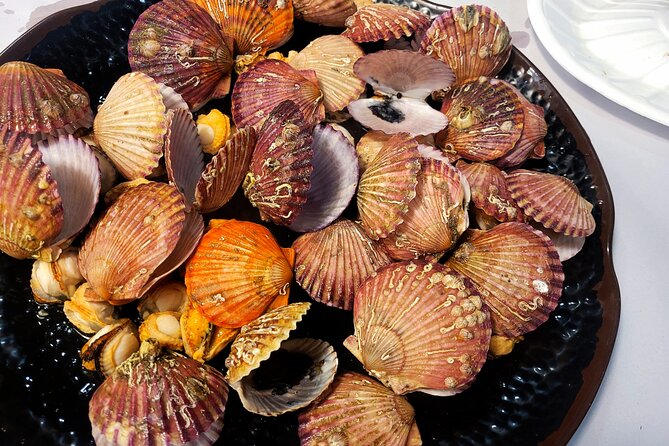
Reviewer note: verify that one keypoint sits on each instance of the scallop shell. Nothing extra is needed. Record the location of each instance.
(392, 115)
(131, 124)
(279, 174)
(333, 180)
(171, 99)
(388, 185)
(53, 282)
(89, 317)
(134, 236)
(40, 102)
(267, 84)
(110, 347)
(168, 296)
(552, 200)
(436, 217)
(418, 327)
(358, 410)
(31, 211)
(332, 263)
(332, 58)
(384, 22)
(566, 246)
(518, 272)
(156, 398)
(203, 340)
(369, 146)
(236, 272)
(324, 12)
(473, 40)
(180, 45)
(226, 170)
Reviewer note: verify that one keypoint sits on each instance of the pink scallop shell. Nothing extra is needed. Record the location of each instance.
(384, 22)
(184, 159)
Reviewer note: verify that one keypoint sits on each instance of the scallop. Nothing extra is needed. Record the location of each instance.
(110, 347)
(371, 23)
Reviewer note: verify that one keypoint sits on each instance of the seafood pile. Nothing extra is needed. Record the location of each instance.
(387, 146)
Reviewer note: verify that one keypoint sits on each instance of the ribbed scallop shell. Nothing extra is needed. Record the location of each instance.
(473, 40)
(179, 44)
(357, 411)
(384, 22)
(134, 236)
(226, 170)
(184, 159)
(270, 82)
(369, 146)
(314, 381)
(330, 264)
(255, 25)
(552, 200)
(388, 185)
(31, 209)
(392, 115)
(436, 217)
(131, 124)
(566, 246)
(332, 58)
(485, 120)
(518, 272)
(489, 191)
(159, 399)
(324, 12)
(236, 272)
(279, 175)
(419, 327)
(89, 317)
(40, 102)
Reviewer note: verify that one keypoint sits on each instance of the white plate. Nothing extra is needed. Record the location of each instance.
(620, 48)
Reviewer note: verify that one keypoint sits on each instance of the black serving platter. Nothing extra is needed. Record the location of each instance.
(536, 395)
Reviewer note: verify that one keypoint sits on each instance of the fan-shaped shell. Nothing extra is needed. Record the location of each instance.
(552, 200)
(134, 236)
(518, 272)
(236, 272)
(324, 12)
(485, 120)
(392, 115)
(179, 44)
(330, 264)
(332, 58)
(279, 174)
(131, 124)
(40, 102)
(358, 410)
(388, 185)
(419, 327)
(473, 40)
(384, 22)
(89, 317)
(566, 245)
(270, 82)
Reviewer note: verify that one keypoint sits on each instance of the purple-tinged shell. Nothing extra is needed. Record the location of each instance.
(184, 159)
(324, 12)
(384, 22)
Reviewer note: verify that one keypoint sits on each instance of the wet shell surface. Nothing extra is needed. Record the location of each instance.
(330, 264)
(485, 120)
(518, 272)
(552, 200)
(156, 398)
(53, 282)
(203, 340)
(391, 114)
(89, 317)
(180, 45)
(358, 410)
(40, 102)
(332, 58)
(279, 175)
(388, 185)
(164, 328)
(110, 347)
(324, 12)
(473, 40)
(384, 22)
(134, 236)
(419, 327)
(267, 84)
(236, 272)
(131, 124)
(168, 296)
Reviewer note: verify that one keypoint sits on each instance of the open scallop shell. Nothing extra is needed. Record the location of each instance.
(391, 114)
(566, 245)
(40, 102)
(330, 264)
(419, 327)
(110, 346)
(388, 185)
(332, 58)
(473, 40)
(518, 272)
(55, 281)
(384, 22)
(168, 296)
(184, 159)
(164, 328)
(552, 200)
(131, 124)
(202, 339)
(358, 410)
(324, 12)
(180, 45)
(270, 82)
(236, 272)
(89, 317)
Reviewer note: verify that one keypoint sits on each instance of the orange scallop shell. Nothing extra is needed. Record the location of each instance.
(236, 272)
(384, 22)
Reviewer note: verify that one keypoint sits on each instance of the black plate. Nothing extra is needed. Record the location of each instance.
(538, 394)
